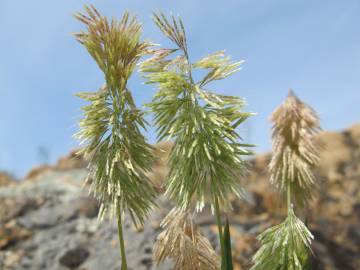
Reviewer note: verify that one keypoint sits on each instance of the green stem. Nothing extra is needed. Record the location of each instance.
(121, 240)
(288, 196)
(219, 224)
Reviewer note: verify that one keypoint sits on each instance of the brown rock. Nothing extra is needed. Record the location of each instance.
(6, 179)
(39, 170)
(11, 234)
(17, 206)
(71, 161)
(13, 258)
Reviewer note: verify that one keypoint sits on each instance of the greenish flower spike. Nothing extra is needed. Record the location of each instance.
(205, 161)
(118, 152)
(111, 127)
(206, 157)
(284, 247)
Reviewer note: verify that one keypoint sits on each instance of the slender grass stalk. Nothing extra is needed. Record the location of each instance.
(220, 230)
(119, 156)
(121, 240)
(288, 196)
(227, 263)
(205, 160)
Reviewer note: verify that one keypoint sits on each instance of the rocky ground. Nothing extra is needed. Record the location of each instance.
(48, 221)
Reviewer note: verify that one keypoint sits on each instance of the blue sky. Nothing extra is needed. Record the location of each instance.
(310, 46)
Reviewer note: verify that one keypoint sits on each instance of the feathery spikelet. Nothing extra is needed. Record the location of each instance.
(284, 247)
(295, 150)
(119, 155)
(206, 157)
(182, 242)
(114, 45)
(295, 153)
